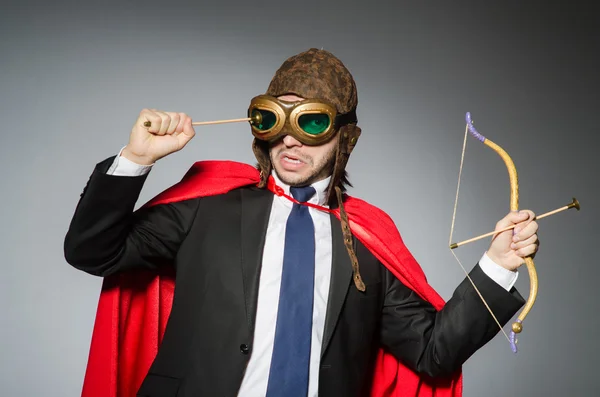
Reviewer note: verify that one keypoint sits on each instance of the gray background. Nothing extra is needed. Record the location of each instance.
(75, 75)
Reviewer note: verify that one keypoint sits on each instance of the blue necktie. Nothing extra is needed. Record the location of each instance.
(288, 376)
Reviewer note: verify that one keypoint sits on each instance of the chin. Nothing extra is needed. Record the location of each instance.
(293, 178)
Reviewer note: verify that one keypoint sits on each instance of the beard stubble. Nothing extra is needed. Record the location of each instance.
(321, 170)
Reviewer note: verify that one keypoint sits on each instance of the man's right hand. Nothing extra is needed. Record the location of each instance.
(169, 132)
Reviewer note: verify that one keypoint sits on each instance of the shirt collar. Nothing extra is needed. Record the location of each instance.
(319, 186)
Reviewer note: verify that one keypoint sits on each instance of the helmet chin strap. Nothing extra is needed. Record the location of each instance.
(349, 135)
(349, 243)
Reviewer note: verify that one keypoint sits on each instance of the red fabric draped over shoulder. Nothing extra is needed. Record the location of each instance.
(134, 307)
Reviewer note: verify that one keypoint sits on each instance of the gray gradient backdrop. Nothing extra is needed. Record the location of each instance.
(73, 78)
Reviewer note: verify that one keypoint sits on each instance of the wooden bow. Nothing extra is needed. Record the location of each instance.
(517, 326)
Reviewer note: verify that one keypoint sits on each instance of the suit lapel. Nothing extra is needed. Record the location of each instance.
(341, 276)
(256, 209)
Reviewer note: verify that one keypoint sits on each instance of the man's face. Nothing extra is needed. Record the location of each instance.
(297, 164)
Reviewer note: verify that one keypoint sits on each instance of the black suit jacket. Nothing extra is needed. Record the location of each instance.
(215, 244)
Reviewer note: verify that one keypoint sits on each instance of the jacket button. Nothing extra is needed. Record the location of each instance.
(244, 348)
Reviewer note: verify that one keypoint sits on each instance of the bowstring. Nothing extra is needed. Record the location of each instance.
(462, 160)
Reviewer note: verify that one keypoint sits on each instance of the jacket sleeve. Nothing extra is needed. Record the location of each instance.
(106, 235)
(438, 343)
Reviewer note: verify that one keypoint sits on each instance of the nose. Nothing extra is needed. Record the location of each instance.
(290, 141)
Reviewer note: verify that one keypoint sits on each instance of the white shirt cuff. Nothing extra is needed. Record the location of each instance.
(125, 167)
(504, 277)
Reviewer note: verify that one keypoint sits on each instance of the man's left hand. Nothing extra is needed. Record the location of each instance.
(510, 248)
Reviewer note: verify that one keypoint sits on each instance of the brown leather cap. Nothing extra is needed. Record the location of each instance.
(316, 74)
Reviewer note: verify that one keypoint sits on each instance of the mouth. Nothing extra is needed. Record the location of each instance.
(289, 162)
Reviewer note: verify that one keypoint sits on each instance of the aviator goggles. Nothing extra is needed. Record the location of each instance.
(311, 121)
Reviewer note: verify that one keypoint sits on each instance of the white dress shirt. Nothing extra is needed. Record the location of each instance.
(257, 373)
(254, 383)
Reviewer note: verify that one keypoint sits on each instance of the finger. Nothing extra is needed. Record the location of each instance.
(153, 118)
(524, 243)
(530, 218)
(512, 218)
(174, 121)
(527, 251)
(182, 121)
(530, 214)
(187, 134)
(525, 230)
(164, 123)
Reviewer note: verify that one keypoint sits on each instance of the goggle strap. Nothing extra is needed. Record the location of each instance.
(345, 118)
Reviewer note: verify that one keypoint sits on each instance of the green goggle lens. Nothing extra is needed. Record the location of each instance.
(314, 123)
(267, 119)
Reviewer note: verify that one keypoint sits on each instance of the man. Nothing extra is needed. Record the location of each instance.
(284, 286)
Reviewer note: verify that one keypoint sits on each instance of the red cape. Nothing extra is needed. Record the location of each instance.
(134, 307)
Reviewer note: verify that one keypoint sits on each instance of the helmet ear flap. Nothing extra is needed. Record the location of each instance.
(349, 135)
(261, 152)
